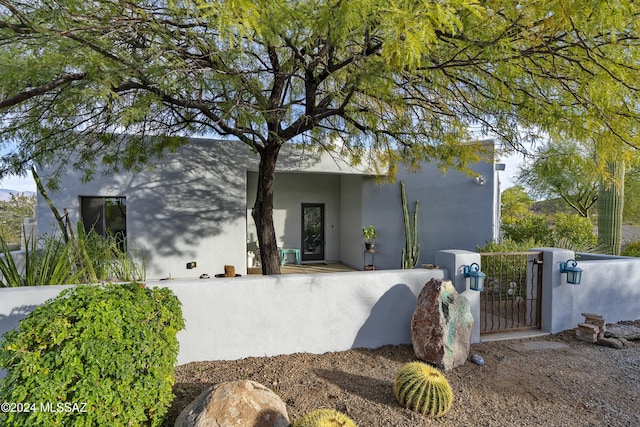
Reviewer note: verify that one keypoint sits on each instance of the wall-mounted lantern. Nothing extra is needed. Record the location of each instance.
(574, 273)
(477, 277)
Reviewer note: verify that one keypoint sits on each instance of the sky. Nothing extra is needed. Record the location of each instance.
(18, 183)
(512, 164)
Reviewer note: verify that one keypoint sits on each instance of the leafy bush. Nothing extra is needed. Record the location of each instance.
(110, 350)
(529, 227)
(508, 245)
(632, 249)
(575, 231)
(567, 231)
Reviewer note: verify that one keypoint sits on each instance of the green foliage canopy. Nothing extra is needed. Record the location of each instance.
(406, 79)
(515, 203)
(12, 214)
(409, 75)
(566, 169)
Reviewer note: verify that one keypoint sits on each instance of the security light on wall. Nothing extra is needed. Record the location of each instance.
(574, 273)
(479, 180)
(476, 276)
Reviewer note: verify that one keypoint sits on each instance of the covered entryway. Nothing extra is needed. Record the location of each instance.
(511, 299)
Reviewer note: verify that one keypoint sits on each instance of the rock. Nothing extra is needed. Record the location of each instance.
(611, 342)
(628, 332)
(235, 404)
(477, 359)
(588, 332)
(441, 326)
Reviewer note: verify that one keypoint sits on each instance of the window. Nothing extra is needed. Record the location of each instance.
(107, 216)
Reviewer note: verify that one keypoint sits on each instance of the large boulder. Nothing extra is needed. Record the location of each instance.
(442, 325)
(235, 404)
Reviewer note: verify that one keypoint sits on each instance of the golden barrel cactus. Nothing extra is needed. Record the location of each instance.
(423, 389)
(324, 418)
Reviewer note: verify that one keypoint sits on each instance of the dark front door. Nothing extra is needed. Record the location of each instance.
(312, 232)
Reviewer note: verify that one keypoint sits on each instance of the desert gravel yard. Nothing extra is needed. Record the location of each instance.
(555, 380)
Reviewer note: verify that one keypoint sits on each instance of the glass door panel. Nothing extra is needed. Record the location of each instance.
(312, 232)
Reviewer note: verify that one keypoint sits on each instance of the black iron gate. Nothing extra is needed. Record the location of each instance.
(511, 299)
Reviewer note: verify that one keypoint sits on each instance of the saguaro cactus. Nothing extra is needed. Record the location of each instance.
(610, 205)
(411, 251)
(324, 418)
(423, 389)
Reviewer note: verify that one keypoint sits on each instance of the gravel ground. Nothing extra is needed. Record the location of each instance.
(581, 384)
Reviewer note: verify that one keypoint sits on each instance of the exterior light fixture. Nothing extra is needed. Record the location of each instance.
(574, 273)
(479, 180)
(477, 277)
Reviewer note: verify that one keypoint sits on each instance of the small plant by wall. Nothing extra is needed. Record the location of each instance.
(81, 258)
(411, 251)
(324, 418)
(423, 389)
(105, 352)
(631, 249)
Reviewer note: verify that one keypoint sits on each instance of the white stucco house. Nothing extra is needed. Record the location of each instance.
(195, 206)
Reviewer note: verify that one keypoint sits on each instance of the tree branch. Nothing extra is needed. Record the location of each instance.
(42, 89)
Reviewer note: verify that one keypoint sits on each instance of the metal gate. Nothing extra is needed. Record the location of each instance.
(511, 299)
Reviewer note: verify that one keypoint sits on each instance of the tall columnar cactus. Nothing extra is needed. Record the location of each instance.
(423, 389)
(610, 205)
(411, 251)
(324, 418)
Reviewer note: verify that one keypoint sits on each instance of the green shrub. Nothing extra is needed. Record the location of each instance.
(632, 249)
(529, 227)
(566, 231)
(573, 232)
(84, 258)
(47, 261)
(110, 350)
(109, 258)
(508, 245)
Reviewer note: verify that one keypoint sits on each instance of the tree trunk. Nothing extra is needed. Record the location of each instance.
(610, 205)
(262, 212)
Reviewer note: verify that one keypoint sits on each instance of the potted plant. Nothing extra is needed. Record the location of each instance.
(369, 234)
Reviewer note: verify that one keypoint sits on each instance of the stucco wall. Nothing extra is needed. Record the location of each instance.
(609, 287)
(351, 243)
(192, 205)
(177, 213)
(454, 212)
(270, 315)
(258, 316)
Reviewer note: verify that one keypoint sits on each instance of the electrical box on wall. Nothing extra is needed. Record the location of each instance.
(191, 265)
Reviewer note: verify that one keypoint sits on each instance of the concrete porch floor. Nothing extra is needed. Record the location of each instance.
(513, 335)
(310, 268)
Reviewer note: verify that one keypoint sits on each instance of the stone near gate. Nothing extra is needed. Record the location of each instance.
(588, 332)
(235, 404)
(628, 332)
(442, 325)
(611, 342)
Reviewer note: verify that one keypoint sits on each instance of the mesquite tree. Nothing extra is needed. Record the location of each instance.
(390, 81)
(566, 169)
